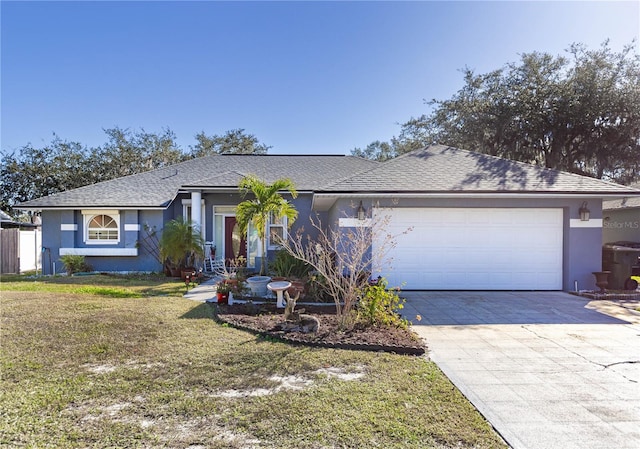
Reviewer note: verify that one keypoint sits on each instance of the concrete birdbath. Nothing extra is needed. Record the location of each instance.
(258, 285)
(279, 287)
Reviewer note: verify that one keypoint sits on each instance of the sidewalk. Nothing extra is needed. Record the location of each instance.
(203, 292)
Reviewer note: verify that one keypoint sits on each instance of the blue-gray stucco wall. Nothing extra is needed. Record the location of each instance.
(582, 246)
(51, 240)
(54, 238)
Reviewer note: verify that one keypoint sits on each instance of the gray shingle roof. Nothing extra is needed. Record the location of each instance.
(435, 169)
(624, 203)
(439, 168)
(7, 222)
(158, 188)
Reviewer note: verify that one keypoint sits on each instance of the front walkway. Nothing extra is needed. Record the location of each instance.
(204, 291)
(547, 369)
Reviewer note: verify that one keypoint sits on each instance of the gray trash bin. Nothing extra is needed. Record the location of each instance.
(622, 259)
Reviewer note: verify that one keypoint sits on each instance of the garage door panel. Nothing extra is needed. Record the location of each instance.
(453, 277)
(426, 218)
(425, 276)
(524, 218)
(525, 281)
(474, 217)
(548, 258)
(476, 249)
(503, 278)
(479, 259)
(467, 237)
(550, 277)
(501, 217)
(452, 256)
(433, 239)
(498, 260)
(454, 217)
(542, 237)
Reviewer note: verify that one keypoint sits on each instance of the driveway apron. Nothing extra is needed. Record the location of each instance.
(547, 369)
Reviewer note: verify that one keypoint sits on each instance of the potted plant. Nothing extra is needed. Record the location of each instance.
(181, 244)
(222, 292)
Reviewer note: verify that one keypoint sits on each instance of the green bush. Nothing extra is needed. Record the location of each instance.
(318, 288)
(181, 243)
(379, 306)
(74, 263)
(287, 266)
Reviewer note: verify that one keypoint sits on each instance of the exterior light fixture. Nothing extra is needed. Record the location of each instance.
(362, 212)
(584, 212)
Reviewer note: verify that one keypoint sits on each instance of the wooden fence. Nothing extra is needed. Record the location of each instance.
(9, 250)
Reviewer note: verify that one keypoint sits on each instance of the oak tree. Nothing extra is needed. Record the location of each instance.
(234, 141)
(578, 113)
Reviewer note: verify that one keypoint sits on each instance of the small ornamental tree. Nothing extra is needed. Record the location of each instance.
(181, 243)
(266, 201)
(342, 256)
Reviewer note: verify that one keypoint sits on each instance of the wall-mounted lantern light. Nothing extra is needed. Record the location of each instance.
(362, 212)
(584, 212)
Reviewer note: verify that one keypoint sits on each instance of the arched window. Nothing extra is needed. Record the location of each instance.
(103, 229)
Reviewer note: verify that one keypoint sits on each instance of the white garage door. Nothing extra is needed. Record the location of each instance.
(471, 249)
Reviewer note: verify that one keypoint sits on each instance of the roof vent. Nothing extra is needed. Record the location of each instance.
(175, 173)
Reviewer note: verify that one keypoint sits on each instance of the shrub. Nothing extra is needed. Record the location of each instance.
(379, 306)
(181, 243)
(74, 263)
(288, 266)
(318, 289)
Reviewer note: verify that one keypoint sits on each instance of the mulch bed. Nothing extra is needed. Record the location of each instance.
(264, 319)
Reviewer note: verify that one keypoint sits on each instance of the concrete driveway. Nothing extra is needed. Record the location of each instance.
(547, 369)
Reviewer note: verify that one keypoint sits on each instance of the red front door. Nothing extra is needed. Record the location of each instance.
(235, 243)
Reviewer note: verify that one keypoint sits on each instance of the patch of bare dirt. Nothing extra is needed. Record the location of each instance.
(294, 382)
(266, 319)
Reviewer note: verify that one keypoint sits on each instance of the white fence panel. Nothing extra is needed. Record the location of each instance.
(30, 250)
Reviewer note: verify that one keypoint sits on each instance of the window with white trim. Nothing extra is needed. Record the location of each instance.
(102, 228)
(276, 230)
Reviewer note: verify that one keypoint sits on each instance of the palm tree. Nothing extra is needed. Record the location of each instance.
(266, 201)
(181, 243)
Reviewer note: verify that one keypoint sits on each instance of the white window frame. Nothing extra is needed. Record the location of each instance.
(186, 214)
(89, 215)
(222, 211)
(284, 225)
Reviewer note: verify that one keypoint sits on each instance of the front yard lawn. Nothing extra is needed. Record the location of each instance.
(81, 369)
(117, 286)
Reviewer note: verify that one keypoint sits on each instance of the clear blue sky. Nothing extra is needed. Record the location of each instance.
(304, 77)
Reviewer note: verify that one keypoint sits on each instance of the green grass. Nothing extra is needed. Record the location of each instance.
(80, 369)
(115, 286)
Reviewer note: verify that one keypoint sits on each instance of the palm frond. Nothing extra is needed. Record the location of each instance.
(266, 200)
